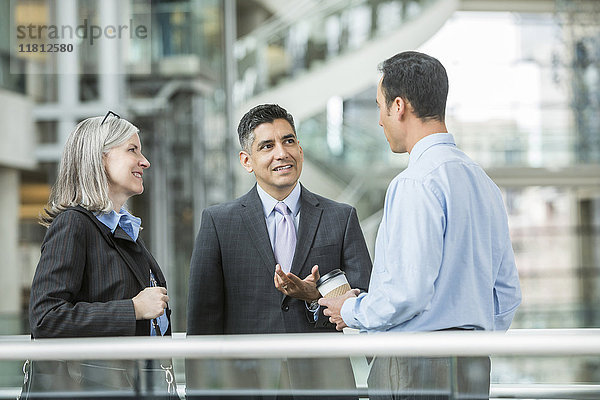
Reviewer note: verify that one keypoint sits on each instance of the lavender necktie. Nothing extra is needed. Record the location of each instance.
(285, 238)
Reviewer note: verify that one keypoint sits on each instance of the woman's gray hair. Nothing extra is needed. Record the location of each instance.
(82, 179)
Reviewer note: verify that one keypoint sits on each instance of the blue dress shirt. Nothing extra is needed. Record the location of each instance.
(443, 256)
(129, 223)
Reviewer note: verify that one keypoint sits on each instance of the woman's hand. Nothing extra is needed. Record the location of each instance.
(150, 303)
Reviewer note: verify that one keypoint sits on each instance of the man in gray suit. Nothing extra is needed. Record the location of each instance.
(243, 279)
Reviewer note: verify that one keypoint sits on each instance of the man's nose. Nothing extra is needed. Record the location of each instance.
(280, 152)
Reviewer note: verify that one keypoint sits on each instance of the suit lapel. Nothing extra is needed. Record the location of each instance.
(254, 220)
(139, 275)
(310, 216)
(160, 278)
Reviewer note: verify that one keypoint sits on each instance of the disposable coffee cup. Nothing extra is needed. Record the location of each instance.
(333, 284)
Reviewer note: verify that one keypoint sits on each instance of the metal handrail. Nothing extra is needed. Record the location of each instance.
(497, 391)
(544, 391)
(322, 345)
(525, 342)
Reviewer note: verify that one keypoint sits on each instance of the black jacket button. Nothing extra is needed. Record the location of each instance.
(285, 307)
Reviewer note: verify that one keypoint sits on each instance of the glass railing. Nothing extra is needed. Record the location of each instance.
(290, 45)
(14, 324)
(541, 364)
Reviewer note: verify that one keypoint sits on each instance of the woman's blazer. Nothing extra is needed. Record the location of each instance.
(86, 278)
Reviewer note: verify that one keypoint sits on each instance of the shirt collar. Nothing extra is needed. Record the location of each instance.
(268, 202)
(428, 141)
(129, 223)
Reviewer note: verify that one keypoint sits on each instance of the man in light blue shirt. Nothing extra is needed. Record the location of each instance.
(443, 256)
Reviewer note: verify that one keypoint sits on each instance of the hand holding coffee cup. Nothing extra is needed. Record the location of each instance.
(333, 284)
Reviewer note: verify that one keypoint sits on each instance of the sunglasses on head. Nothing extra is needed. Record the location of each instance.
(108, 114)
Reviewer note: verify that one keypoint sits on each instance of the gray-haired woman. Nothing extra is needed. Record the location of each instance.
(95, 276)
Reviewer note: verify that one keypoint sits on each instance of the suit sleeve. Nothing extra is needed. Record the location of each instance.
(56, 309)
(205, 312)
(356, 262)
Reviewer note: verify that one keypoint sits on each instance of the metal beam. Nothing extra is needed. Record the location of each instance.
(523, 6)
(577, 176)
(572, 176)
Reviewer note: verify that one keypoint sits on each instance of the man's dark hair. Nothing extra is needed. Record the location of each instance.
(264, 113)
(418, 79)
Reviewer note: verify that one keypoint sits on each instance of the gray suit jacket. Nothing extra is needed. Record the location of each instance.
(231, 288)
(86, 278)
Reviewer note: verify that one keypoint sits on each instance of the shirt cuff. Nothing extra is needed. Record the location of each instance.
(314, 311)
(347, 312)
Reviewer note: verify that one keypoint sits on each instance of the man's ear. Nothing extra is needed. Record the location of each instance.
(399, 107)
(246, 161)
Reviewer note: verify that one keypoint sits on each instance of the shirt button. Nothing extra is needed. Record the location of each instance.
(285, 307)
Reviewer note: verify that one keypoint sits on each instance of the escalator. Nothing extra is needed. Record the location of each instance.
(331, 49)
(324, 57)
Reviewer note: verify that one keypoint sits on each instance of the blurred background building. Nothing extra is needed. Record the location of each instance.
(524, 103)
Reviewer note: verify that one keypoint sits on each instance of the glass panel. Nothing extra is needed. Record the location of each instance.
(455, 377)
